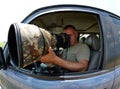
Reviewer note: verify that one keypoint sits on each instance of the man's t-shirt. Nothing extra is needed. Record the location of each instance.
(76, 53)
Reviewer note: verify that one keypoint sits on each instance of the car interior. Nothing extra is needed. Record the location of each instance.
(88, 27)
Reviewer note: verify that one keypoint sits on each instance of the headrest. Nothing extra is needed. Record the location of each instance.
(93, 42)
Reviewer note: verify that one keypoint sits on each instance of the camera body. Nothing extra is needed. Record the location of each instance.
(63, 40)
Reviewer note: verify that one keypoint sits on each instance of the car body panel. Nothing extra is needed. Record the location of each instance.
(115, 30)
(12, 80)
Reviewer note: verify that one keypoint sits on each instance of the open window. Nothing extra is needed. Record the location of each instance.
(88, 27)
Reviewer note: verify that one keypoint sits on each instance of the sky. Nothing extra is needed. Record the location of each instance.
(12, 11)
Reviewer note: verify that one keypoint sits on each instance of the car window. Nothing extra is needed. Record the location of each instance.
(88, 27)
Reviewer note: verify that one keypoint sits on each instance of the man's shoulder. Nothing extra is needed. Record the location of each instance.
(82, 46)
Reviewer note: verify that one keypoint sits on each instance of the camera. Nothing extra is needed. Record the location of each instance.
(63, 40)
(27, 43)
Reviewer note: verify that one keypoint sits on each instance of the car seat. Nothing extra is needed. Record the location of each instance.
(94, 44)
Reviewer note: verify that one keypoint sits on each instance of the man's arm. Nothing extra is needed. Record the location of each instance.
(73, 66)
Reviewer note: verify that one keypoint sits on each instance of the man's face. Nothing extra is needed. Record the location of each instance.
(72, 34)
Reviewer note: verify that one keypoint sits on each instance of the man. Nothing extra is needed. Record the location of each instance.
(74, 58)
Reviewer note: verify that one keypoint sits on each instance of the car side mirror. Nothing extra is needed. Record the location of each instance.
(2, 60)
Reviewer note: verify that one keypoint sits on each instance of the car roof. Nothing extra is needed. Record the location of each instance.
(66, 16)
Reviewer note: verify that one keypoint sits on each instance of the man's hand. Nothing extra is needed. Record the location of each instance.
(49, 58)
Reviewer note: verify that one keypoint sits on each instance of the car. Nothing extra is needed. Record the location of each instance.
(99, 27)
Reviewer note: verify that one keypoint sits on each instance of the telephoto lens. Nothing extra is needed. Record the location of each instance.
(27, 43)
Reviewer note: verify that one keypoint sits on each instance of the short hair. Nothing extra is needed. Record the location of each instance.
(67, 26)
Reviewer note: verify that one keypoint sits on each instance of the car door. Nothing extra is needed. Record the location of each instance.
(107, 59)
